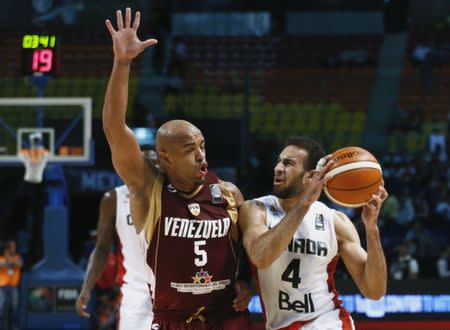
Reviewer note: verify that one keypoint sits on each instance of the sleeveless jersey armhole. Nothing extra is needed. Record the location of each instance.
(231, 209)
(154, 212)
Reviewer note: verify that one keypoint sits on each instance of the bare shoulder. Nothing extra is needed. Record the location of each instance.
(229, 186)
(252, 213)
(232, 188)
(344, 227)
(254, 205)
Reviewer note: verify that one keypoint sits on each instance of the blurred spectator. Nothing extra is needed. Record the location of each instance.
(10, 268)
(421, 206)
(405, 266)
(389, 210)
(420, 238)
(443, 263)
(442, 206)
(406, 212)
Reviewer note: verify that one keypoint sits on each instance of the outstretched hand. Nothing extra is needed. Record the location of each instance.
(318, 180)
(126, 44)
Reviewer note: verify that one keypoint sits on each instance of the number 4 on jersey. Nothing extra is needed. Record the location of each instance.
(292, 273)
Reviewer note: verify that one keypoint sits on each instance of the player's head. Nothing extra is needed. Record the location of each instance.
(181, 150)
(295, 165)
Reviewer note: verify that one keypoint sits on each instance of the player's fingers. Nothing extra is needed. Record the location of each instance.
(110, 27)
(329, 164)
(127, 17)
(148, 43)
(382, 193)
(85, 314)
(242, 304)
(137, 20)
(119, 20)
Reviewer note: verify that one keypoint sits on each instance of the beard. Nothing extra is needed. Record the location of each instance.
(292, 190)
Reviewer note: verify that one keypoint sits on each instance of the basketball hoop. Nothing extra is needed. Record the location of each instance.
(34, 161)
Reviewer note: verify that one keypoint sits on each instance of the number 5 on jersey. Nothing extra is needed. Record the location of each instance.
(199, 251)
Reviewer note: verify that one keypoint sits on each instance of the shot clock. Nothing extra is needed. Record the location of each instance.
(39, 54)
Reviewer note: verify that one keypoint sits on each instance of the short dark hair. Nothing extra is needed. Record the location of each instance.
(314, 149)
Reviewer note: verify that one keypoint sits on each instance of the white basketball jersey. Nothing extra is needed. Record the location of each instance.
(299, 285)
(132, 267)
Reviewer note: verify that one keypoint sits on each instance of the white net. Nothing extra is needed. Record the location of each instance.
(34, 161)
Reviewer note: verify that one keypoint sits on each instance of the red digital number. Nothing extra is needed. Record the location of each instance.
(42, 60)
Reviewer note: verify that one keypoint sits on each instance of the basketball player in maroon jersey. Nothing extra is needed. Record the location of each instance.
(185, 216)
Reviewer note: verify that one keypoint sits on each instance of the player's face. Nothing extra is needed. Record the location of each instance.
(189, 159)
(289, 173)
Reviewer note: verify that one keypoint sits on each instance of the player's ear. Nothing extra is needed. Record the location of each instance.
(164, 158)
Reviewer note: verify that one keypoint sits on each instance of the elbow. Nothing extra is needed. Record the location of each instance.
(375, 294)
(260, 263)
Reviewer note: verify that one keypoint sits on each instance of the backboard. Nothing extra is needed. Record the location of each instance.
(60, 125)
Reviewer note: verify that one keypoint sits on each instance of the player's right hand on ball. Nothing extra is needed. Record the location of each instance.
(317, 180)
(126, 43)
(82, 301)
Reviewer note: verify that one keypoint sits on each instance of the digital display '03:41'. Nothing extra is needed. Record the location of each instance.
(39, 54)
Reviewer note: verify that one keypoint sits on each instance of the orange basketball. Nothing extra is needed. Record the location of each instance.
(356, 176)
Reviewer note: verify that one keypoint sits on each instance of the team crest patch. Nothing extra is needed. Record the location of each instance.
(320, 225)
(202, 283)
(216, 193)
(194, 208)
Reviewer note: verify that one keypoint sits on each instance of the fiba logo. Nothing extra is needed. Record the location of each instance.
(155, 326)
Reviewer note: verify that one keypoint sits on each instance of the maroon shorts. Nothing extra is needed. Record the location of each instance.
(238, 321)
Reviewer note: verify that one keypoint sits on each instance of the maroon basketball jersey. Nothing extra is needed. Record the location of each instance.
(192, 252)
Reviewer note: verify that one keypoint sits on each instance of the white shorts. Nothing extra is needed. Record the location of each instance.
(135, 311)
(336, 319)
(332, 320)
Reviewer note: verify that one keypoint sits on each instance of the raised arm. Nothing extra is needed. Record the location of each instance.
(368, 269)
(126, 155)
(99, 256)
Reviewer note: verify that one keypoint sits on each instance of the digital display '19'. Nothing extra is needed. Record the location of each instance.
(39, 54)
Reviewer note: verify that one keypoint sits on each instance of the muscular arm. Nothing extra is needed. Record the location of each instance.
(99, 257)
(242, 285)
(126, 155)
(368, 269)
(263, 245)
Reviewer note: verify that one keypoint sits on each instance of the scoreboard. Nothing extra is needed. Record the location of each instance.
(40, 54)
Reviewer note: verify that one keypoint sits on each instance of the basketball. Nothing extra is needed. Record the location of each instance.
(356, 176)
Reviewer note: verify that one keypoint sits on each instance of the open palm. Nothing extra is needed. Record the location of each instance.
(126, 44)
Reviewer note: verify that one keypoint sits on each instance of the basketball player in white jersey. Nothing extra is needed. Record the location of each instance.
(135, 311)
(295, 242)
